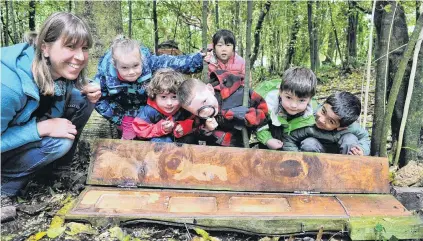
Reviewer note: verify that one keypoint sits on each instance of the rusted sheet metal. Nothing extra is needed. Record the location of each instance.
(253, 212)
(167, 165)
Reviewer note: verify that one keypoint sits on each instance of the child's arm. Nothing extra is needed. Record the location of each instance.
(106, 106)
(186, 64)
(145, 127)
(363, 137)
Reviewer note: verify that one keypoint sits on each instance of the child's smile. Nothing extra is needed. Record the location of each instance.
(167, 102)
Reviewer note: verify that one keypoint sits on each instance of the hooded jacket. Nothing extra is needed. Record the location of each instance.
(148, 123)
(120, 98)
(232, 116)
(235, 65)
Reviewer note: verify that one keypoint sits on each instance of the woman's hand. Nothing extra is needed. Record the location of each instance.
(93, 92)
(57, 127)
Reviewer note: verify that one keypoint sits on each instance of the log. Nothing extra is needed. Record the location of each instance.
(169, 165)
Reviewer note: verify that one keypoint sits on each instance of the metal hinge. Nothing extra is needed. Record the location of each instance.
(128, 185)
(305, 192)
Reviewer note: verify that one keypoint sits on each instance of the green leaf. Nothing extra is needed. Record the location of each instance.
(55, 232)
(76, 228)
(202, 233)
(117, 232)
(388, 8)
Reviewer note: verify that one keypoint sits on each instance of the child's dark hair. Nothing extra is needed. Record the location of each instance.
(187, 89)
(226, 35)
(300, 81)
(165, 80)
(346, 106)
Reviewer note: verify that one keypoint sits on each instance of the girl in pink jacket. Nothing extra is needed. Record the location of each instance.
(223, 56)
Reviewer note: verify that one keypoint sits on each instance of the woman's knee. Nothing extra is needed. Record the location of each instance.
(54, 148)
(78, 109)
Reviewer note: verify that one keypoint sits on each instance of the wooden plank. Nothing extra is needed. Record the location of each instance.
(263, 213)
(167, 165)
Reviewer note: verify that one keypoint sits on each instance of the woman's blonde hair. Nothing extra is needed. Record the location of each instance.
(165, 80)
(123, 45)
(74, 32)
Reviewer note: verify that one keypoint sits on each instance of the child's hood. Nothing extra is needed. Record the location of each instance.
(153, 104)
(226, 82)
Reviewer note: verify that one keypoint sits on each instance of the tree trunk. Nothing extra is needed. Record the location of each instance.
(156, 28)
(103, 29)
(293, 38)
(246, 98)
(398, 84)
(316, 38)
(399, 37)
(204, 37)
(311, 35)
(418, 3)
(32, 15)
(130, 19)
(70, 6)
(6, 24)
(413, 145)
(216, 13)
(352, 33)
(257, 32)
(338, 47)
(14, 29)
(331, 48)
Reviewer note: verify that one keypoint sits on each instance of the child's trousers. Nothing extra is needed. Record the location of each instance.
(344, 145)
(20, 164)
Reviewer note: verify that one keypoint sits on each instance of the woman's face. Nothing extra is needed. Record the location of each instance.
(66, 61)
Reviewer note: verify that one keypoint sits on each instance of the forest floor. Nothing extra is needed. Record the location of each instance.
(44, 199)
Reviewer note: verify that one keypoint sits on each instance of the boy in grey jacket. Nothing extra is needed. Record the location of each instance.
(335, 131)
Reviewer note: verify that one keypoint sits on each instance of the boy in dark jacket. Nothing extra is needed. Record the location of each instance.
(335, 131)
(219, 110)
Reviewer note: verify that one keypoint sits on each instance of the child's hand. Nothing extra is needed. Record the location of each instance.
(167, 126)
(356, 151)
(274, 144)
(211, 124)
(179, 131)
(93, 92)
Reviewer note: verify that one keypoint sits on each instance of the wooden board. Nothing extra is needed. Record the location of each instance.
(261, 213)
(168, 165)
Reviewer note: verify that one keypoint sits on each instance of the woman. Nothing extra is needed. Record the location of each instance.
(45, 99)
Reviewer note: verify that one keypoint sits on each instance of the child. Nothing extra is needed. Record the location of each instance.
(335, 131)
(223, 56)
(218, 106)
(289, 107)
(124, 73)
(161, 119)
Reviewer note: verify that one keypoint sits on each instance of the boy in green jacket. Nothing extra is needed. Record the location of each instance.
(289, 107)
(335, 131)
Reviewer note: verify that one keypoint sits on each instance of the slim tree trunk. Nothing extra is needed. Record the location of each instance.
(311, 35)
(352, 33)
(32, 15)
(247, 68)
(6, 25)
(156, 30)
(293, 37)
(338, 47)
(204, 37)
(418, 3)
(257, 32)
(316, 38)
(130, 20)
(216, 13)
(397, 83)
(70, 6)
(14, 29)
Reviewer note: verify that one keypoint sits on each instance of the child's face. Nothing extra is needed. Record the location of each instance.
(224, 51)
(292, 104)
(168, 102)
(326, 119)
(129, 65)
(204, 104)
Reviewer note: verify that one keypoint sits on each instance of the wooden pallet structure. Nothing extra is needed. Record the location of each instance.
(246, 190)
